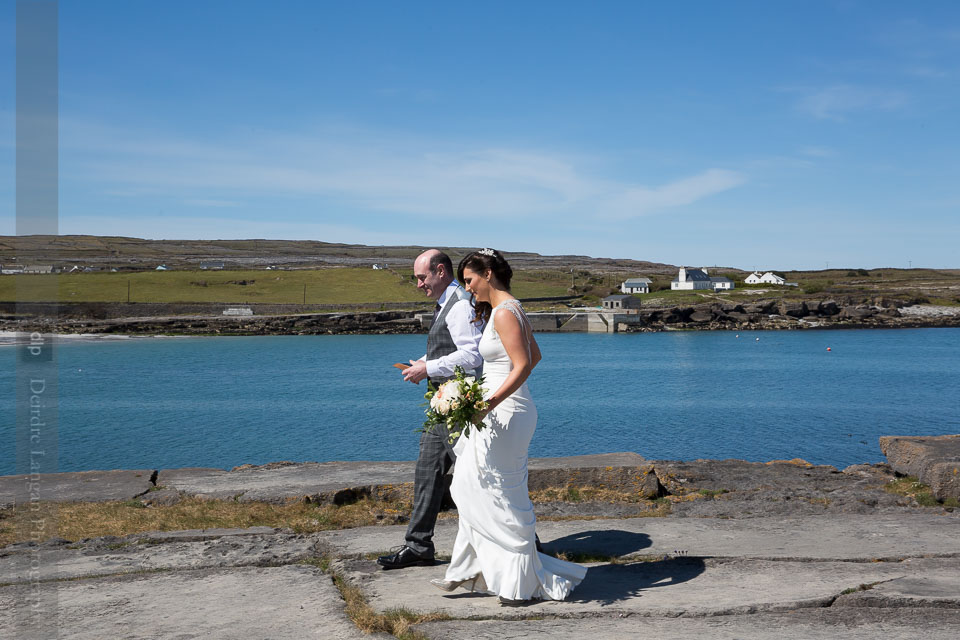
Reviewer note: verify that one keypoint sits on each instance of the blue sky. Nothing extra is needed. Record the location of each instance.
(749, 134)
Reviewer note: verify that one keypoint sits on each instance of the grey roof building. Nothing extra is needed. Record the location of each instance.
(620, 301)
(636, 285)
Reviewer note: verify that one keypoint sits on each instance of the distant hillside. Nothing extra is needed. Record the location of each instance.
(123, 252)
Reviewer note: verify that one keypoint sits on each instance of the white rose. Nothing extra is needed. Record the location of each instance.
(445, 395)
(450, 389)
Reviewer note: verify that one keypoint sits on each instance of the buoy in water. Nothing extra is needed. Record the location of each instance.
(829, 349)
(758, 339)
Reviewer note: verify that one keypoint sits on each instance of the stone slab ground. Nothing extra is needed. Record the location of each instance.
(748, 550)
(808, 624)
(288, 602)
(80, 486)
(753, 578)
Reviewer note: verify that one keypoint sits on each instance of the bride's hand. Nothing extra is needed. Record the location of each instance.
(478, 419)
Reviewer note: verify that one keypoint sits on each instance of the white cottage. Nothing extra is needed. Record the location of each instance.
(691, 279)
(721, 283)
(768, 278)
(636, 285)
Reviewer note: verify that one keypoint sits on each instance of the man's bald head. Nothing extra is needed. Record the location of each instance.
(434, 272)
(436, 258)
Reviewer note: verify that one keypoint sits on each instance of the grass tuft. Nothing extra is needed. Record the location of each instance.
(712, 493)
(75, 521)
(396, 622)
(910, 487)
(862, 587)
(573, 493)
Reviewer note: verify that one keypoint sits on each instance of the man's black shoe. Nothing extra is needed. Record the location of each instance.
(404, 557)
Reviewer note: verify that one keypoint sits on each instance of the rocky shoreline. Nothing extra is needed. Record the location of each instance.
(759, 315)
(787, 487)
(797, 314)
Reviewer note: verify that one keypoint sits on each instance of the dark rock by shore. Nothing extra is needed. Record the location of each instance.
(699, 488)
(795, 314)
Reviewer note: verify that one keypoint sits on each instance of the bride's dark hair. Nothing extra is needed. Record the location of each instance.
(480, 262)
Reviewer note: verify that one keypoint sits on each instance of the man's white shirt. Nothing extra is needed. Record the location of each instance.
(465, 333)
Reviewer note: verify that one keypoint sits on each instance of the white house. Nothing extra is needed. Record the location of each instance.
(238, 311)
(690, 279)
(636, 285)
(768, 278)
(721, 283)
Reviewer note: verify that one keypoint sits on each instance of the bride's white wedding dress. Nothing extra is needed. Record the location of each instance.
(496, 530)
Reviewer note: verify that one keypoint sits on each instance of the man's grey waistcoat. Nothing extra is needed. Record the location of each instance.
(439, 341)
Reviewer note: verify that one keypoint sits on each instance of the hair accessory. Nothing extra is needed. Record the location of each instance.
(486, 252)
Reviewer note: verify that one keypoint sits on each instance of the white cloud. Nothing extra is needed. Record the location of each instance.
(369, 171)
(837, 101)
(636, 201)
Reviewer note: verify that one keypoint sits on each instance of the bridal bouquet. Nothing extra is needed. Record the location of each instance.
(456, 403)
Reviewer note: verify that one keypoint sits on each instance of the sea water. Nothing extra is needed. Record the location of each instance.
(762, 395)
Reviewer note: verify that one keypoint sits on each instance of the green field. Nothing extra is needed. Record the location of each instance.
(321, 286)
(309, 286)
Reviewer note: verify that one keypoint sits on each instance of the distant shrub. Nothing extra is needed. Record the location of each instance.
(660, 285)
(813, 287)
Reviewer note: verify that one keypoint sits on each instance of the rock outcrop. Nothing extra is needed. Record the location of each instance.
(935, 461)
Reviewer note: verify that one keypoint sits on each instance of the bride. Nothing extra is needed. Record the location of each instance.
(495, 550)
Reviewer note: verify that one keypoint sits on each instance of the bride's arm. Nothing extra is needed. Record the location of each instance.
(534, 351)
(515, 343)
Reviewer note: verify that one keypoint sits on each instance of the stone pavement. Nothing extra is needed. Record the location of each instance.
(835, 575)
(749, 551)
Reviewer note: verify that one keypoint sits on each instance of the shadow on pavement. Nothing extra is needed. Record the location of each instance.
(610, 583)
(606, 542)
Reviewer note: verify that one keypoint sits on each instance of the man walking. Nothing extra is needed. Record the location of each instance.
(453, 341)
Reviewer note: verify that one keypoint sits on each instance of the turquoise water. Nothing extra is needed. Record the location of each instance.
(221, 402)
